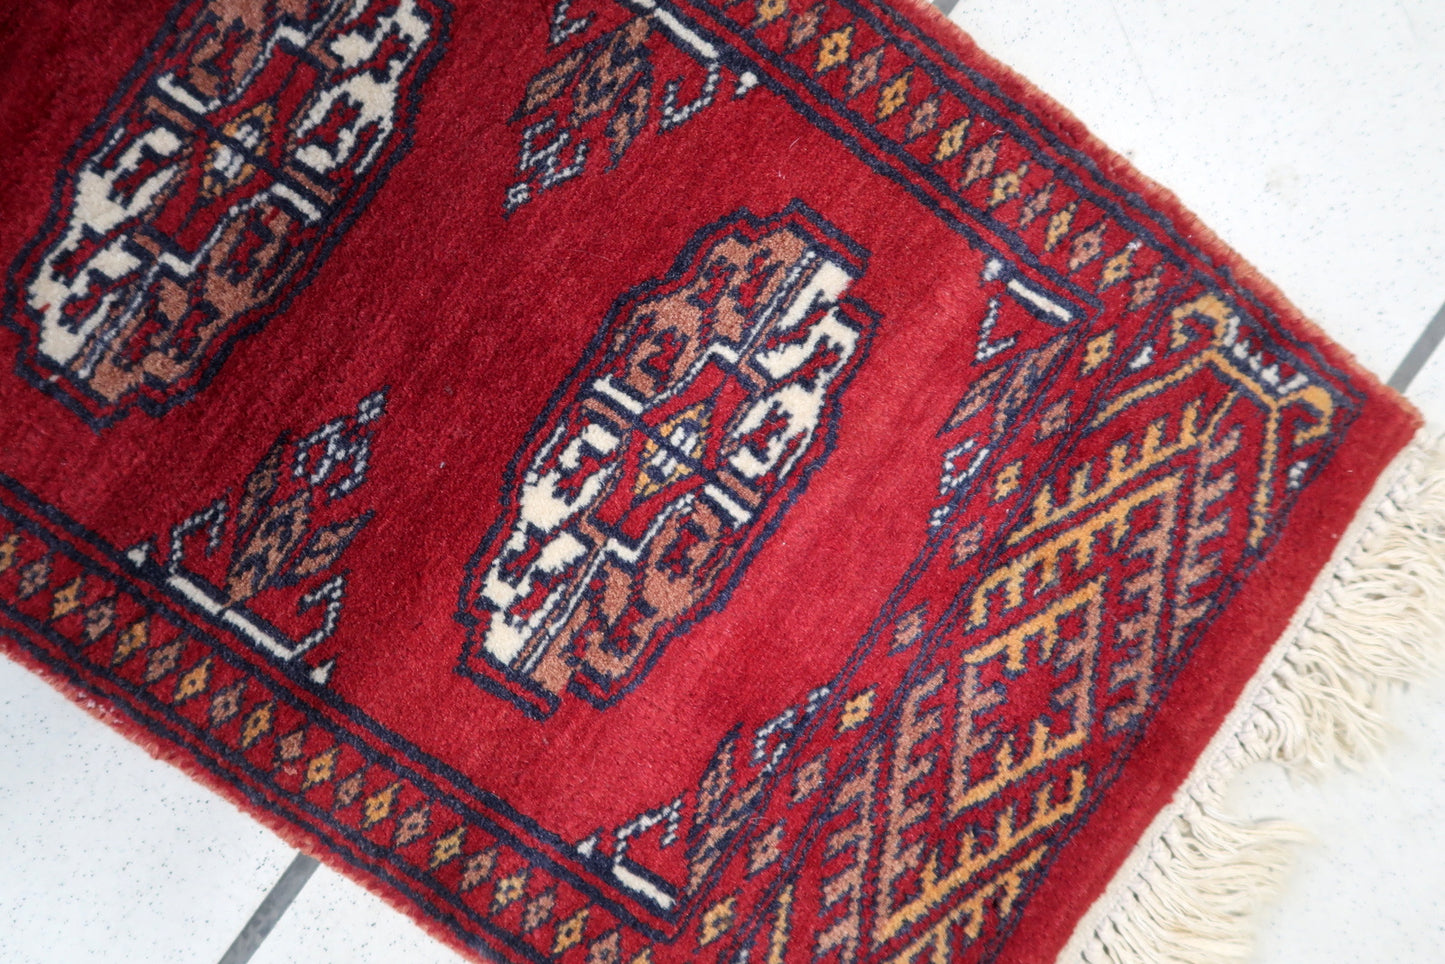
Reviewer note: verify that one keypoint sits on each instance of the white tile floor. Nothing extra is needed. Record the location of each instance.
(334, 921)
(108, 856)
(1309, 133)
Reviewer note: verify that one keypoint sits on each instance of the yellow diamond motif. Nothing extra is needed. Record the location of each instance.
(132, 638)
(769, 10)
(378, 806)
(894, 96)
(195, 681)
(1007, 481)
(1006, 186)
(8, 548)
(321, 768)
(448, 847)
(855, 711)
(258, 722)
(1117, 268)
(569, 933)
(508, 890)
(1098, 350)
(834, 49)
(67, 600)
(716, 921)
(1059, 226)
(953, 138)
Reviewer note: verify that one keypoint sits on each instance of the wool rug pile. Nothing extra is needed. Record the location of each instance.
(679, 480)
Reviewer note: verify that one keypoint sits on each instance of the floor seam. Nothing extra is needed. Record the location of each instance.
(1419, 353)
(272, 906)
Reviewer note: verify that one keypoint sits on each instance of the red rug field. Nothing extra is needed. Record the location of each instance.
(674, 480)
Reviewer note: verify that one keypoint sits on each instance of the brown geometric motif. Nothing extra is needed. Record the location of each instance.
(227, 714)
(603, 91)
(211, 188)
(263, 563)
(685, 432)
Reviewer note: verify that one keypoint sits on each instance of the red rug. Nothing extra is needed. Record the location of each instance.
(670, 480)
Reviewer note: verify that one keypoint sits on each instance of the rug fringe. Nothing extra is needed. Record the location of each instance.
(1373, 621)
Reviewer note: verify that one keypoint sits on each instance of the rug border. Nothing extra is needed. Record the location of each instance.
(291, 834)
(1112, 167)
(1241, 277)
(1200, 798)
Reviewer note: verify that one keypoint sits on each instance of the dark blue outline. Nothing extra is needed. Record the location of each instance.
(1192, 270)
(504, 822)
(15, 313)
(474, 664)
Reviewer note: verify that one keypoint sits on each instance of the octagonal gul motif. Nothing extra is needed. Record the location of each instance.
(209, 190)
(692, 421)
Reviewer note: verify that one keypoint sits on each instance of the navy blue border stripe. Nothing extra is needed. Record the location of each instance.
(257, 795)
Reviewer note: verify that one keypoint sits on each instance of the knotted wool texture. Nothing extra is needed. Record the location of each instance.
(647, 480)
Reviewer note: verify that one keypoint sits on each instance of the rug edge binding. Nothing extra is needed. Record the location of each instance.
(1374, 620)
(304, 841)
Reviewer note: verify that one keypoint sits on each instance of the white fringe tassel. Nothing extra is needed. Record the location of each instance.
(1375, 619)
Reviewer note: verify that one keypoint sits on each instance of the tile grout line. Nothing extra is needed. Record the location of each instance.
(1419, 352)
(272, 906)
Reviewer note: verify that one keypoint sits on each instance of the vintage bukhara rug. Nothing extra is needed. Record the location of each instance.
(679, 480)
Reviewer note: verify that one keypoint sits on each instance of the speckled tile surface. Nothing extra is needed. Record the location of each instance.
(335, 921)
(1428, 392)
(108, 855)
(1374, 877)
